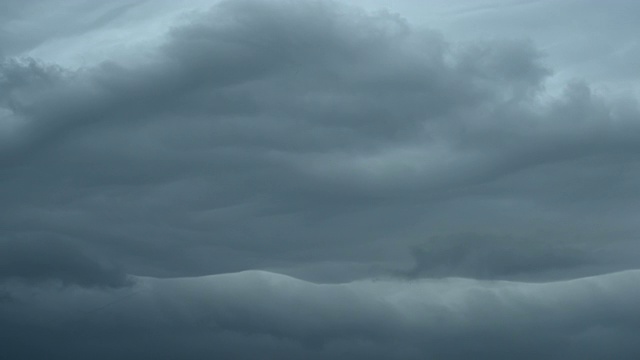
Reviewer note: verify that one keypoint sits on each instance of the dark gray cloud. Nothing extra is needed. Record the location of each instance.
(241, 143)
(263, 314)
(494, 256)
(318, 140)
(39, 258)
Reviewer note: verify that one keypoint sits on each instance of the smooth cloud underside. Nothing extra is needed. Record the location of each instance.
(321, 141)
(491, 256)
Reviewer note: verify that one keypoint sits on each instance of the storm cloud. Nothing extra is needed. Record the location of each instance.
(328, 142)
(242, 315)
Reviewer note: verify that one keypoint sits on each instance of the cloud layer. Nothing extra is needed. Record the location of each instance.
(319, 140)
(251, 314)
(354, 136)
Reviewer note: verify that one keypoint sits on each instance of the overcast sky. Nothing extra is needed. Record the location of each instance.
(288, 179)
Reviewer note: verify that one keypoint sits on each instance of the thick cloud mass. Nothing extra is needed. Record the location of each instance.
(485, 256)
(241, 143)
(249, 314)
(50, 259)
(322, 141)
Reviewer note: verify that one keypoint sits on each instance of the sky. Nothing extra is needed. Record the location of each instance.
(318, 179)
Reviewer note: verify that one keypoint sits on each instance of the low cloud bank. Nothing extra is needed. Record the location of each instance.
(260, 314)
